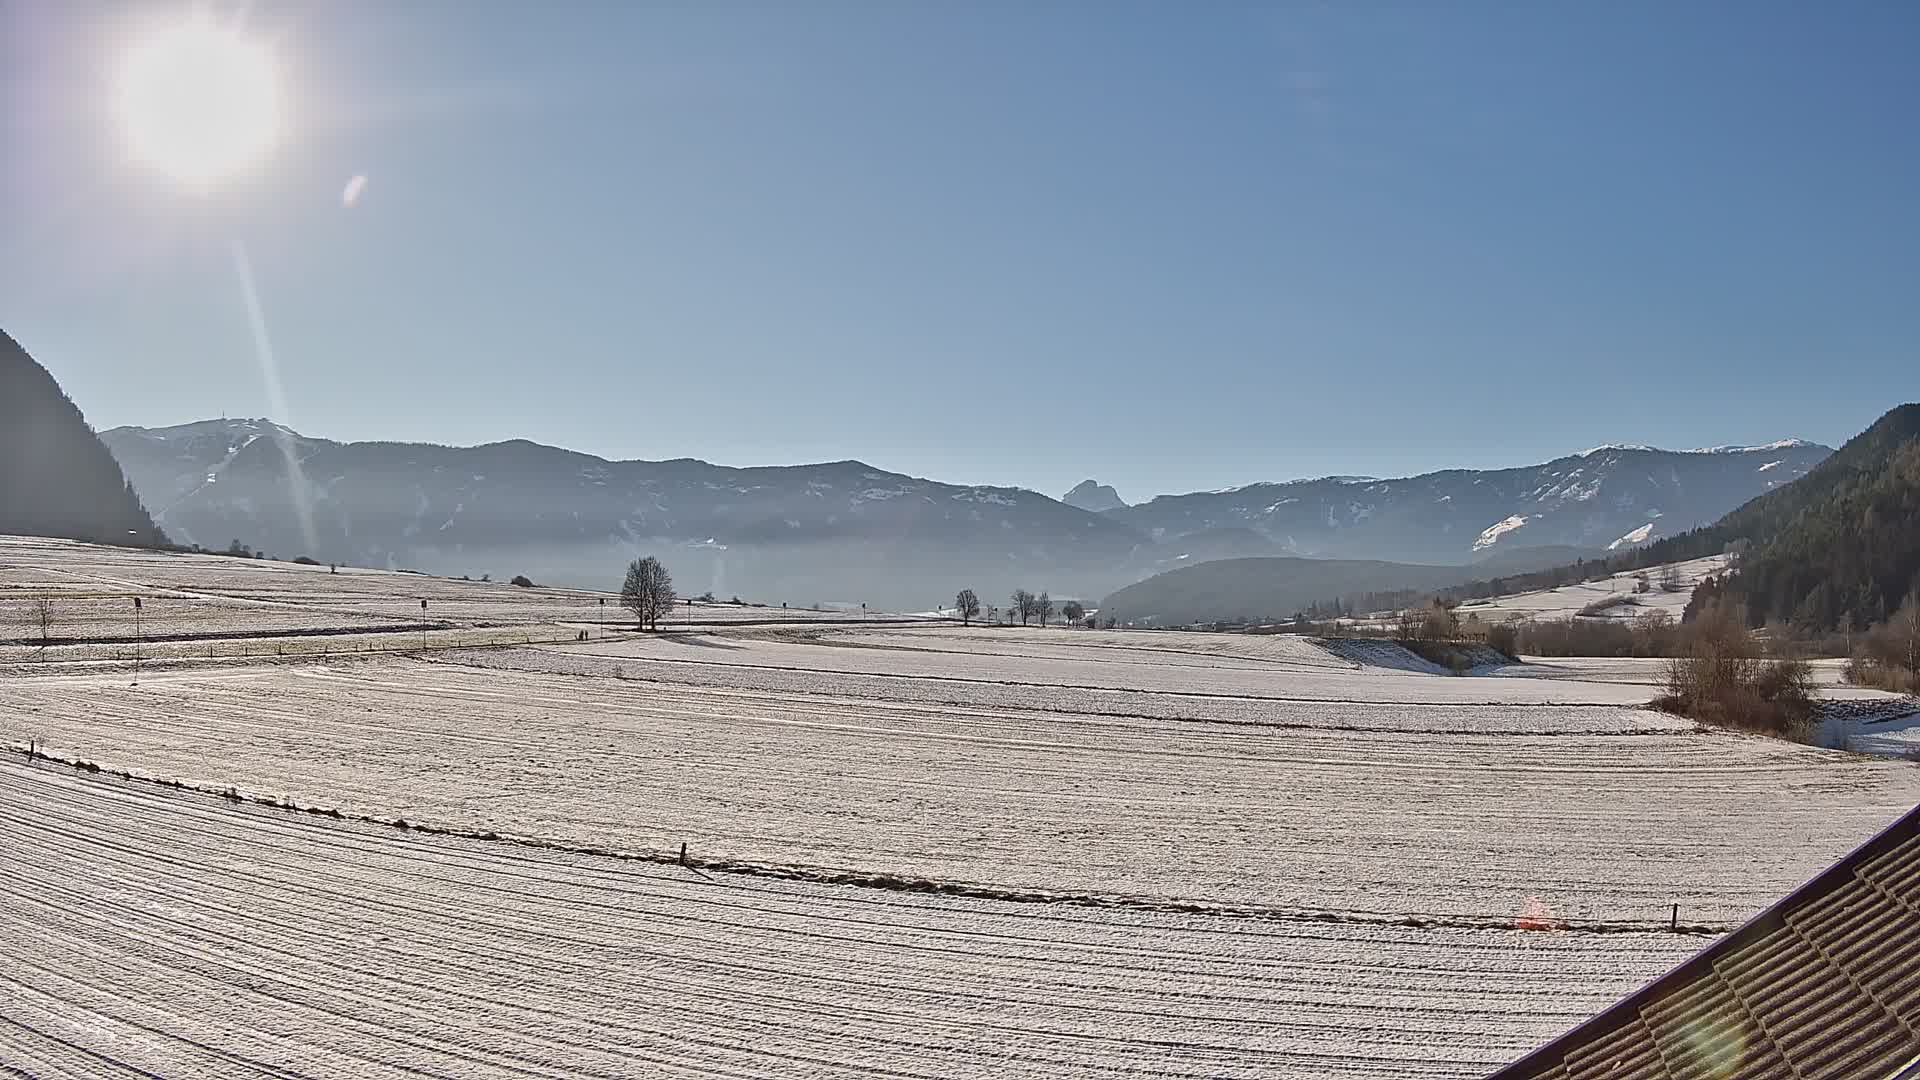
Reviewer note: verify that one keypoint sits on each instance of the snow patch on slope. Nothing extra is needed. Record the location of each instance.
(1637, 536)
(1492, 534)
(1778, 444)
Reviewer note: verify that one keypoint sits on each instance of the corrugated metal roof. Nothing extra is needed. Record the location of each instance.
(1824, 984)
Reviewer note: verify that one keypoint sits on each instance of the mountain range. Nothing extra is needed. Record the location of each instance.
(1836, 551)
(1609, 497)
(851, 532)
(833, 532)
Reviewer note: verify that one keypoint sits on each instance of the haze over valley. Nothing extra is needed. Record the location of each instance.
(848, 532)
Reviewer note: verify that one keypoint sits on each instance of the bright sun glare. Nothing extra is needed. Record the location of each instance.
(199, 102)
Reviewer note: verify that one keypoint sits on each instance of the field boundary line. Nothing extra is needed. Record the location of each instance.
(1198, 694)
(1278, 725)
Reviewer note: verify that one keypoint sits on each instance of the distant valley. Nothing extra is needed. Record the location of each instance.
(849, 533)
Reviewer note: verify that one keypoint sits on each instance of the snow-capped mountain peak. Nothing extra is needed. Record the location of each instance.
(1779, 444)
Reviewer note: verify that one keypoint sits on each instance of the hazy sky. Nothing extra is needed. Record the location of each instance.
(1171, 246)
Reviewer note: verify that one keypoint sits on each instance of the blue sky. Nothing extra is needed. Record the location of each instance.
(1170, 246)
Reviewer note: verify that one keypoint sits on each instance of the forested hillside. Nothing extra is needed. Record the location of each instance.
(1840, 549)
(56, 479)
(1268, 589)
(1837, 549)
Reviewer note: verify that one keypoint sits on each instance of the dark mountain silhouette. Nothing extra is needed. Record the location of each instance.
(56, 478)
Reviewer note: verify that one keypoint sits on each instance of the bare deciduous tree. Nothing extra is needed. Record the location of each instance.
(967, 604)
(1434, 622)
(40, 617)
(1720, 676)
(1894, 646)
(648, 591)
(1022, 605)
(1904, 630)
(1670, 579)
(1074, 612)
(1043, 608)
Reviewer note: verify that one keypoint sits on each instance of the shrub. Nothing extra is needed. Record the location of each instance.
(1889, 657)
(523, 581)
(1504, 638)
(1445, 654)
(1608, 603)
(306, 560)
(1866, 671)
(1435, 622)
(1720, 678)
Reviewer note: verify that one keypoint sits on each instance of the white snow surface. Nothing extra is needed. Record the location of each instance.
(1260, 859)
(233, 941)
(1637, 536)
(1777, 444)
(1498, 529)
(1567, 600)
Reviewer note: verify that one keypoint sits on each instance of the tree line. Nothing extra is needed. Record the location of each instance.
(1023, 605)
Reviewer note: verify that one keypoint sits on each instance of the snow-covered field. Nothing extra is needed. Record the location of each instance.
(1462, 812)
(1293, 669)
(207, 597)
(918, 850)
(156, 933)
(1569, 600)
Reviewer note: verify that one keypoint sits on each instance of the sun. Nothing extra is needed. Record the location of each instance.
(199, 102)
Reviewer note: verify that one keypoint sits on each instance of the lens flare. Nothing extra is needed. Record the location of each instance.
(297, 490)
(1536, 915)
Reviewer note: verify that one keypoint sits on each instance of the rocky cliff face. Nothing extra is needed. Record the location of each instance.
(1093, 497)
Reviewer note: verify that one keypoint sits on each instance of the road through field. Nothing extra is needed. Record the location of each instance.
(152, 932)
